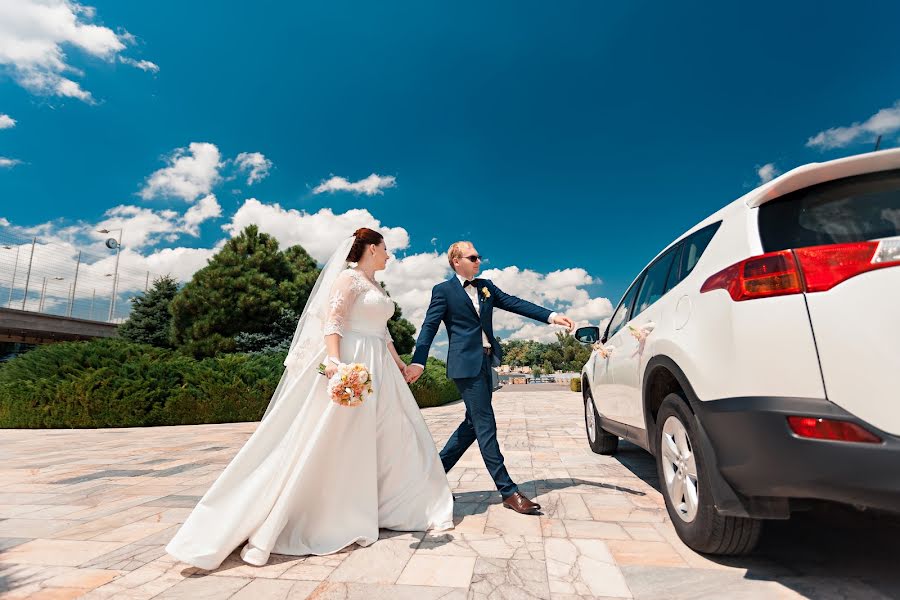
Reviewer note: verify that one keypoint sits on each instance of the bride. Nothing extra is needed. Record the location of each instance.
(317, 476)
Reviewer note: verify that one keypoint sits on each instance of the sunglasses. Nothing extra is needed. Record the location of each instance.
(474, 257)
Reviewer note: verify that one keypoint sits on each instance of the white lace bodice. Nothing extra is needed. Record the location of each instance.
(357, 304)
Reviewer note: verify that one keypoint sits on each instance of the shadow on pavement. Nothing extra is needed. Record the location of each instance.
(824, 552)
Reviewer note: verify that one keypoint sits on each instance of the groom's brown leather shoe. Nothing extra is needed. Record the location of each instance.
(521, 504)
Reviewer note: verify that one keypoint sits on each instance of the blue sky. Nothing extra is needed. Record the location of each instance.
(567, 135)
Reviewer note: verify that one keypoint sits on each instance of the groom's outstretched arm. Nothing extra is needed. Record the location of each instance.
(516, 305)
(433, 317)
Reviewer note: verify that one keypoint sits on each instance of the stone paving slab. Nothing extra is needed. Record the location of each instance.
(87, 514)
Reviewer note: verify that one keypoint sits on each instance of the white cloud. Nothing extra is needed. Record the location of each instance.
(4, 222)
(181, 263)
(371, 185)
(207, 208)
(767, 172)
(143, 65)
(7, 122)
(254, 164)
(192, 172)
(561, 291)
(883, 122)
(410, 279)
(146, 227)
(8, 163)
(319, 233)
(33, 38)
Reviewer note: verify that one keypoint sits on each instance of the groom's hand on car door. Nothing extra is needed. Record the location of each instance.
(413, 372)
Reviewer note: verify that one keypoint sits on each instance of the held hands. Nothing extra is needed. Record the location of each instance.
(412, 373)
(564, 321)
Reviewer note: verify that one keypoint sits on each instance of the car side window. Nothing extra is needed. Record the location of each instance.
(692, 249)
(654, 285)
(622, 314)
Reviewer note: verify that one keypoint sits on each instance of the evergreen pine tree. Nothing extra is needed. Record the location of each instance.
(243, 288)
(150, 321)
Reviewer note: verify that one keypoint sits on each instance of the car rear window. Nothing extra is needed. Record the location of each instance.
(854, 209)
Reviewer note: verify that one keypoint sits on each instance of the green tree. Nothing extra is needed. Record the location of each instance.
(402, 331)
(305, 271)
(277, 339)
(150, 321)
(566, 353)
(243, 288)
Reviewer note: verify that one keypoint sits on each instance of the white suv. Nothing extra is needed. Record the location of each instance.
(758, 355)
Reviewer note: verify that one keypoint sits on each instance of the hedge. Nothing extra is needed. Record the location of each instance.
(115, 383)
(433, 388)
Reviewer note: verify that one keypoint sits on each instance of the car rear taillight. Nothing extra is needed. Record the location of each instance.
(812, 269)
(774, 274)
(828, 429)
(826, 266)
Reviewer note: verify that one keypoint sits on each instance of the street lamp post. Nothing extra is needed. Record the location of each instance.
(74, 284)
(117, 244)
(44, 292)
(43, 289)
(12, 283)
(28, 276)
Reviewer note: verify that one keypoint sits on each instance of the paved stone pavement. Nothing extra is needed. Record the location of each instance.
(87, 514)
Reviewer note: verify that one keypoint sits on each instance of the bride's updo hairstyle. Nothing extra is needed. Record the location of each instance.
(364, 236)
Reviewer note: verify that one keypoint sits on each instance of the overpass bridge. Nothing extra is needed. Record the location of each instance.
(28, 327)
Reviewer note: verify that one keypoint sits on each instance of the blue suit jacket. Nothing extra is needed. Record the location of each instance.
(452, 305)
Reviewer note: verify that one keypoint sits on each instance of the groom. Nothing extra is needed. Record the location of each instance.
(465, 304)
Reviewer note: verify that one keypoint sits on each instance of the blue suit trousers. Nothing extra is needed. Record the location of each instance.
(480, 425)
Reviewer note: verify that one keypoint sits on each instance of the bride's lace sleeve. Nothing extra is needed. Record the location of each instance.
(343, 295)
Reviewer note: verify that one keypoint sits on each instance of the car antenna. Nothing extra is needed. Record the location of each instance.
(877, 143)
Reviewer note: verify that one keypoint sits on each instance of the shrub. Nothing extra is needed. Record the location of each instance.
(433, 388)
(231, 388)
(116, 383)
(575, 384)
(101, 383)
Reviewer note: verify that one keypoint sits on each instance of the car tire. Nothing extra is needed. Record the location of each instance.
(681, 467)
(600, 441)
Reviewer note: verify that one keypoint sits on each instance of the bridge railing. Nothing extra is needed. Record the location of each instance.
(57, 277)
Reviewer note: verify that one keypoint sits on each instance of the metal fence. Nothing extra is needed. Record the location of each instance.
(60, 279)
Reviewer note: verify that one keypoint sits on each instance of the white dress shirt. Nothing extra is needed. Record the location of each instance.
(473, 295)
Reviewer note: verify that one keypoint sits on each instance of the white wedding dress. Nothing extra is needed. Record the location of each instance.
(315, 476)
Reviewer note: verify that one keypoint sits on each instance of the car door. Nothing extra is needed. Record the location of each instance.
(608, 395)
(630, 354)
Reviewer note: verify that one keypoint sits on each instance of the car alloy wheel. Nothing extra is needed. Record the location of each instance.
(680, 469)
(590, 420)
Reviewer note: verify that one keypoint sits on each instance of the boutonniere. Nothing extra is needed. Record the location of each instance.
(485, 292)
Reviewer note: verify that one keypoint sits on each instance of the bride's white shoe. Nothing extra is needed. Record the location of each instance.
(252, 555)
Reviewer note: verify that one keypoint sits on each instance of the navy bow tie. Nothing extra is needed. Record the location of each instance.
(467, 283)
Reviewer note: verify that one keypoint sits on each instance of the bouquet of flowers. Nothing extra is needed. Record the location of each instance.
(350, 385)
